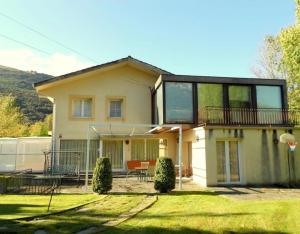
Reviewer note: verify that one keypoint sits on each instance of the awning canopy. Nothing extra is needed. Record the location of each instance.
(130, 130)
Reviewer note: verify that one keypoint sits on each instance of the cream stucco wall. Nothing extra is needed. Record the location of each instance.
(262, 161)
(125, 81)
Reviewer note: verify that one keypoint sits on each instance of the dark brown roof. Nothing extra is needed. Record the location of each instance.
(129, 58)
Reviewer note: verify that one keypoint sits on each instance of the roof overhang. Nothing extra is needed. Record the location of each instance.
(135, 63)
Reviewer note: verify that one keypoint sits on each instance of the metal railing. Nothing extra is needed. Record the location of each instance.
(248, 116)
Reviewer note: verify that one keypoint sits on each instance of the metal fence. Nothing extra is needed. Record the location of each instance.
(248, 116)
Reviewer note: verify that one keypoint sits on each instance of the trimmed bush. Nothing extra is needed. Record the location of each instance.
(165, 178)
(102, 176)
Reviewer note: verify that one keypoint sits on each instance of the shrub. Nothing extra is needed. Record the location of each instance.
(165, 178)
(102, 176)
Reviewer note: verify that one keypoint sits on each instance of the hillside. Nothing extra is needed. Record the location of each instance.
(19, 84)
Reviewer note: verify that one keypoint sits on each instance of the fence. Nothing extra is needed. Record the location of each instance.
(17, 154)
(248, 116)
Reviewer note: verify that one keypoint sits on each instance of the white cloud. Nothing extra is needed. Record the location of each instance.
(28, 60)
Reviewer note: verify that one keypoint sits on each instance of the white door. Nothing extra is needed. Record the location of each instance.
(228, 162)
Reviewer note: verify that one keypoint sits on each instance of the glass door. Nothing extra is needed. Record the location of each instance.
(113, 149)
(228, 162)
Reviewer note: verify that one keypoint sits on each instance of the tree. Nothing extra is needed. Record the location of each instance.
(165, 177)
(102, 176)
(269, 63)
(290, 41)
(280, 59)
(41, 128)
(12, 122)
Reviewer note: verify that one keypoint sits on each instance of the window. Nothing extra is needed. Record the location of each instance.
(268, 96)
(210, 95)
(239, 96)
(179, 102)
(269, 99)
(81, 107)
(148, 149)
(115, 109)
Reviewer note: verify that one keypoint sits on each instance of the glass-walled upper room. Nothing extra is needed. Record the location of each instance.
(195, 102)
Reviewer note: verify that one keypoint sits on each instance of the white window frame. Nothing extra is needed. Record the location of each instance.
(83, 101)
(121, 108)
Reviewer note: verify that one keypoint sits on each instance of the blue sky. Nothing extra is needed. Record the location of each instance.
(199, 37)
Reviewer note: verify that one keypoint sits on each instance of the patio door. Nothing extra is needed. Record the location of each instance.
(113, 149)
(228, 162)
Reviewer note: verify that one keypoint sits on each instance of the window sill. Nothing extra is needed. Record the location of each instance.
(82, 118)
(115, 119)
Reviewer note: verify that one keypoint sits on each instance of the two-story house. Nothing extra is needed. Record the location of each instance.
(231, 126)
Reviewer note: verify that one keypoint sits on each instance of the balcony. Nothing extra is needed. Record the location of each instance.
(248, 116)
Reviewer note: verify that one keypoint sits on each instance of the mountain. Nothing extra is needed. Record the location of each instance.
(19, 84)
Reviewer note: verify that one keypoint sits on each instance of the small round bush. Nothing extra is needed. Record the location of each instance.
(102, 176)
(165, 178)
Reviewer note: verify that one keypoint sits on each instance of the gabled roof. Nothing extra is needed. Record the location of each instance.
(129, 59)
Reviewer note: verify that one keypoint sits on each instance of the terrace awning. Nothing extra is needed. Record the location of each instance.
(125, 129)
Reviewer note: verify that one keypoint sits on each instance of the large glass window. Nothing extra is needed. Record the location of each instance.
(239, 96)
(268, 96)
(179, 102)
(146, 149)
(210, 95)
(269, 104)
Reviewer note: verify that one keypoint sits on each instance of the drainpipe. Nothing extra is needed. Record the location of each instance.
(53, 140)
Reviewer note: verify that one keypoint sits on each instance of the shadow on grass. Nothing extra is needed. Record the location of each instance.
(184, 230)
(8, 209)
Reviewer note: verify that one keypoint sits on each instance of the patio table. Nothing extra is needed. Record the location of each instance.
(142, 172)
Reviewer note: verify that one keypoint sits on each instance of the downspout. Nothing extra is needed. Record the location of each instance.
(53, 140)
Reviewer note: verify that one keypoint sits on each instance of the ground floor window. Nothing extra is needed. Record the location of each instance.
(228, 161)
(66, 159)
(147, 149)
(113, 149)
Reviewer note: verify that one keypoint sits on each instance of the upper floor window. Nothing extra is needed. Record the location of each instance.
(82, 107)
(115, 107)
(239, 96)
(268, 96)
(210, 95)
(179, 102)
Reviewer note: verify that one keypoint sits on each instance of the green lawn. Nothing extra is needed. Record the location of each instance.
(94, 214)
(205, 212)
(20, 206)
(179, 212)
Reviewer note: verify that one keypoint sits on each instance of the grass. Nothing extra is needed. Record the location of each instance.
(205, 212)
(73, 221)
(179, 212)
(21, 206)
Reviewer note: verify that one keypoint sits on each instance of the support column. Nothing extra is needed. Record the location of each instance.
(87, 160)
(180, 156)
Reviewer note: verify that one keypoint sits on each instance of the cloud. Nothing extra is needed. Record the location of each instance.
(28, 60)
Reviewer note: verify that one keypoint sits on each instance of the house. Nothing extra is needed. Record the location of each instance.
(231, 126)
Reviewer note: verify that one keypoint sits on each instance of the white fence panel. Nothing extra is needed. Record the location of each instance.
(25, 153)
(8, 151)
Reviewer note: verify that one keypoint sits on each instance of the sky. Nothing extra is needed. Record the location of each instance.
(192, 37)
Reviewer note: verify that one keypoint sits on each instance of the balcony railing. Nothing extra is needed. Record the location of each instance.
(248, 116)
